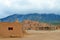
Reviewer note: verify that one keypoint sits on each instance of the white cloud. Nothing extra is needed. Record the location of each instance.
(25, 6)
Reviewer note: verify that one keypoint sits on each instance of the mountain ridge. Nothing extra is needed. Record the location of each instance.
(35, 17)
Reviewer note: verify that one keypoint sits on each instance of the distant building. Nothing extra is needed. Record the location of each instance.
(58, 27)
(33, 25)
(11, 29)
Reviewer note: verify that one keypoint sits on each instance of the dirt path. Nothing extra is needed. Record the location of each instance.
(38, 35)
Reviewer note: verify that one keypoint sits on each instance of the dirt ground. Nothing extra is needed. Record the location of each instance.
(38, 35)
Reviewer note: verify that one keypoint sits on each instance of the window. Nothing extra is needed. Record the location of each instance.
(29, 28)
(10, 28)
(46, 28)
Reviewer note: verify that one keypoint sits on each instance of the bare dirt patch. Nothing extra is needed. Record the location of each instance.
(38, 35)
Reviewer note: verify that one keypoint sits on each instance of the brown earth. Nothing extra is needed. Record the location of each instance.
(38, 35)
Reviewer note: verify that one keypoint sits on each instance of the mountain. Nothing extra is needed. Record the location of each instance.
(49, 18)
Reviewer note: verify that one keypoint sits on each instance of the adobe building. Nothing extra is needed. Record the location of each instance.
(58, 27)
(11, 29)
(26, 24)
(34, 25)
(46, 26)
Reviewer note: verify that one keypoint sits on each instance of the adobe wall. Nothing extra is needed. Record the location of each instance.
(16, 32)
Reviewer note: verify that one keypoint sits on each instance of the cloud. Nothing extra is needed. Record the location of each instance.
(9, 7)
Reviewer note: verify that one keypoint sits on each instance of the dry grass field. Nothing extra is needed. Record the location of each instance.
(38, 35)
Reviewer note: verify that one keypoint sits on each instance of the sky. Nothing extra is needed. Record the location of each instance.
(10, 7)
